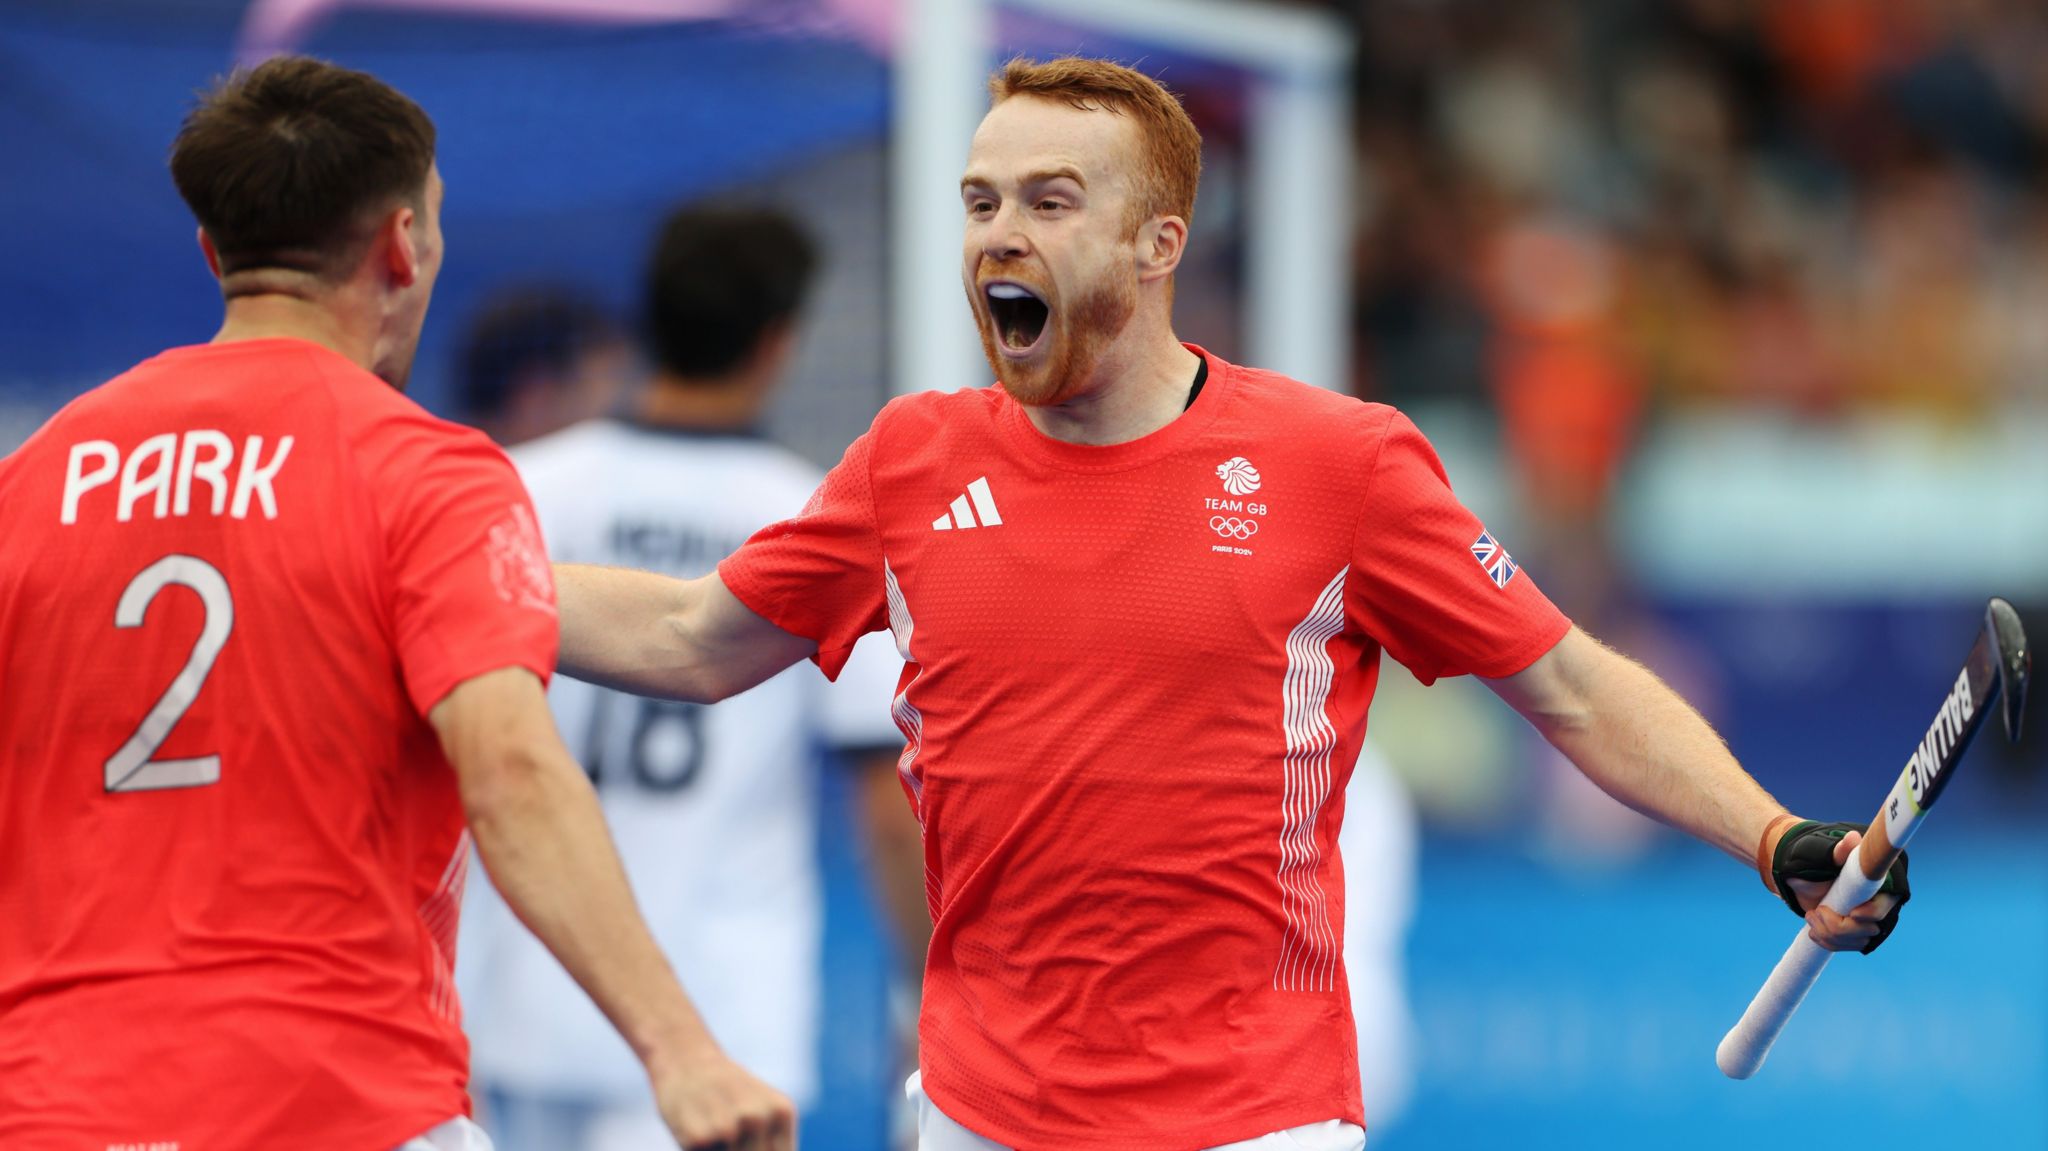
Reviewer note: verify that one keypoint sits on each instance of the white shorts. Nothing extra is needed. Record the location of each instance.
(936, 1131)
(457, 1134)
(528, 1122)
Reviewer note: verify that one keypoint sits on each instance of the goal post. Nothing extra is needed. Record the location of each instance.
(1298, 219)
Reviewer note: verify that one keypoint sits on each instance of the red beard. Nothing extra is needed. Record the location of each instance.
(1078, 334)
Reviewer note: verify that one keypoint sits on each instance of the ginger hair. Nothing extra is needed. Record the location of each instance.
(1171, 162)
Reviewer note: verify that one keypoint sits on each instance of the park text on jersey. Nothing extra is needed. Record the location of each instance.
(163, 469)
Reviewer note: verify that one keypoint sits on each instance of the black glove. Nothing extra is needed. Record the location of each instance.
(1807, 851)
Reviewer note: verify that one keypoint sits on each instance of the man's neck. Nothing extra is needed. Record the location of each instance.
(1131, 395)
(271, 316)
(728, 405)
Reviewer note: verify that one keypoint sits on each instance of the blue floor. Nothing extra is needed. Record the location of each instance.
(1576, 1013)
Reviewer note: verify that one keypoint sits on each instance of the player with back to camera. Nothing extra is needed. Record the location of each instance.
(255, 605)
(714, 809)
(1142, 594)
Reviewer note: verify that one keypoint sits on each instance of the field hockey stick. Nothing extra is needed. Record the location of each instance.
(1997, 669)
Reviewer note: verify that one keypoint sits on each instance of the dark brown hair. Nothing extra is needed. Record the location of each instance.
(286, 163)
(1171, 164)
(721, 279)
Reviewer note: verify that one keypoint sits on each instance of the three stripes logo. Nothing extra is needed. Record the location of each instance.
(1499, 565)
(980, 512)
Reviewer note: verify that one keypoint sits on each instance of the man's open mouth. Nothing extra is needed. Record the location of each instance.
(1018, 313)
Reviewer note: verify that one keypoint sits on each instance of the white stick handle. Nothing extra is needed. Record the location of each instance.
(1743, 1049)
(1999, 662)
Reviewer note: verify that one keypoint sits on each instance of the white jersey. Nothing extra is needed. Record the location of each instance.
(714, 808)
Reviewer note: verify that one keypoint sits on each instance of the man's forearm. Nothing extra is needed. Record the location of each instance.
(1643, 744)
(624, 629)
(542, 838)
(649, 634)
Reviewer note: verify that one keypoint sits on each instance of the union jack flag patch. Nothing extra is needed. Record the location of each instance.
(1499, 565)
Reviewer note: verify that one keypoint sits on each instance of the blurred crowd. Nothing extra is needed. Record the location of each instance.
(1575, 214)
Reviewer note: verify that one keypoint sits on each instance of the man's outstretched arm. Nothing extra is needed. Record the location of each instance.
(651, 634)
(1643, 744)
(542, 838)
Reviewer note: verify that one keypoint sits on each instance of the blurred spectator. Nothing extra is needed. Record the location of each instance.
(1809, 206)
(536, 360)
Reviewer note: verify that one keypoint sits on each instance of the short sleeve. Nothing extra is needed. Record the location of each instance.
(471, 587)
(854, 711)
(819, 575)
(1437, 589)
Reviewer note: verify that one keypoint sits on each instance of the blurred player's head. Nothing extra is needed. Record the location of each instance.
(723, 291)
(536, 360)
(318, 183)
(1079, 186)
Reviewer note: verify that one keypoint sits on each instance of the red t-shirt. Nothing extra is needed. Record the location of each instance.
(233, 581)
(1136, 682)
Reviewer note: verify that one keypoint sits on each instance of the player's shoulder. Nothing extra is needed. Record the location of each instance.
(924, 414)
(1295, 409)
(396, 442)
(58, 426)
(170, 383)
(382, 417)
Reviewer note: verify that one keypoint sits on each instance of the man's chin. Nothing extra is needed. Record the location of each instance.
(1038, 382)
(1034, 388)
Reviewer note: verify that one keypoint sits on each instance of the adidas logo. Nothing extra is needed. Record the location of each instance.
(963, 516)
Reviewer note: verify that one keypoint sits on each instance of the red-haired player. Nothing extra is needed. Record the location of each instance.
(1142, 594)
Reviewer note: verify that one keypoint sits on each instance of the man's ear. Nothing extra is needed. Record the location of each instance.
(401, 255)
(772, 352)
(1162, 240)
(206, 248)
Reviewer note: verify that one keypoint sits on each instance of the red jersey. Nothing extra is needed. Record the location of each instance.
(231, 853)
(1136, 680)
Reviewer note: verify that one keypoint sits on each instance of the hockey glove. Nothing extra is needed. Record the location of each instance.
(1807, 852)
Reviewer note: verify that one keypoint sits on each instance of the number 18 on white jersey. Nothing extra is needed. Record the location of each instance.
(714, 808)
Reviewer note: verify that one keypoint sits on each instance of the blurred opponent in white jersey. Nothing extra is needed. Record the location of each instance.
(714, 808)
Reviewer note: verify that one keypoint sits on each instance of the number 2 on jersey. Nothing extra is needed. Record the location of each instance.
(131, 768)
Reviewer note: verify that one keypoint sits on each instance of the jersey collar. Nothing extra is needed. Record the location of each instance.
(1217, 380)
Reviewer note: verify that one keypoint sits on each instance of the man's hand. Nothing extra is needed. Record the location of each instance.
(542, 837)
(1794, 867)
(711, 1103)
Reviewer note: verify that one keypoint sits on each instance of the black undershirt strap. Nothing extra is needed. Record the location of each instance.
(1201, 377)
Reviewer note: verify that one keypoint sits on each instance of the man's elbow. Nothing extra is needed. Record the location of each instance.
(1560, 719)
(1557, 693)
(690, 677)
(500, 782)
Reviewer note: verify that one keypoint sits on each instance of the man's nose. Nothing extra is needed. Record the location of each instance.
(1004, 237)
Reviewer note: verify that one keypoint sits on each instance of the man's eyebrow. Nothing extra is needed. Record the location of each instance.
(1040, 176)
(1063, 172)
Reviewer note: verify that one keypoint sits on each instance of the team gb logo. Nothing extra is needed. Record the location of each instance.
(1239, 477)
(519, 563)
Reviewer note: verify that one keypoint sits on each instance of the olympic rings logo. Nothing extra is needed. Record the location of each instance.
(1230, 527)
